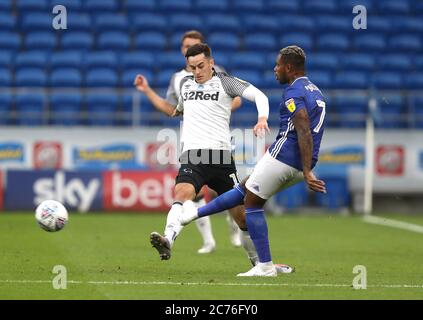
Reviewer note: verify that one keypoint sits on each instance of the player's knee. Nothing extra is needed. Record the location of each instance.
(184, 192)
(243, 182)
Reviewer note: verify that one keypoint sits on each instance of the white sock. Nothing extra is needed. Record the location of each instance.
(204, 225)
(248, 245)
(173, 226)
(234, 230)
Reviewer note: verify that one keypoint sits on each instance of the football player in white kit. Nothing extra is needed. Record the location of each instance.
(205, 101)
(167, 106)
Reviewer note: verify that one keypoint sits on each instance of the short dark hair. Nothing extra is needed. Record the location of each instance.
(293, 55)
(193, 34)
(198, 48)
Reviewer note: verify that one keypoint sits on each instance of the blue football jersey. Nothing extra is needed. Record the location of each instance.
(301, 94)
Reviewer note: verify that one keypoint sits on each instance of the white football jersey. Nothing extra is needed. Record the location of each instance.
(207, 111)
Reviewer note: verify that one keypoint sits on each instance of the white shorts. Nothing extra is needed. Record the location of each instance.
(271, 176)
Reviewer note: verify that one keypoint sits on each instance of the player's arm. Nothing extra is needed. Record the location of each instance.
(253, 94)
(158, 102)
(236, 103)
(305, 141)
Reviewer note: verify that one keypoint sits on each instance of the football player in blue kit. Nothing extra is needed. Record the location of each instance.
(289, 159)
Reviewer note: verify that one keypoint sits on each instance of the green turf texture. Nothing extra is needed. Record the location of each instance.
(114, 248)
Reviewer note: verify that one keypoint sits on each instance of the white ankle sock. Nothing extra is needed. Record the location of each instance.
(204, 225)
(173, 226)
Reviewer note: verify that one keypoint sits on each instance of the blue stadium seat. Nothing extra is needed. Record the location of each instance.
(321, 78)
(150, 41)
(224, 41)
(184, 22)
(32, 5)
(321, 60)
(111, 22)
(37, 22)
(247, 60)
(138, 59)
(9, 40)
(6, 106)
(101, 77)
(247, 6)
(321, 6)
(394, 7)
(380, 24)
(79, 22)
(292, 197)
(5, 59)
(254, 77)
(171, 60)
(387, 80)
(101, 109)
(333, 42)
(417, 7)
(223, 22)
(260, 42)
(297, 22)
(357, 61)
(418, 112)
(346, 6)
(30, 59)
(40, 40)
(65, 109)
(137, 6)
(100, 6)
(410, 25)
(100, 59)
(77, 40)
(5, 78)
(405, 42)
(31, 77)
(66, 59)
(418, 62)
(128, 76)
(352, 110)
(351, 80)
(304, 40)
(269, 81)
(6, 6)
(71, 5)
(175, 5)
(30, 109)
(260, 23)
(370, 42)
(149, 22)
(414, 80)
(221, 59)
(283, 6)
(202, 6)
(326, 23)
(7, 21)
(66, 77)
(391, 109)
(113, 40)
(337, 195)
(162, 78)
(394, 62)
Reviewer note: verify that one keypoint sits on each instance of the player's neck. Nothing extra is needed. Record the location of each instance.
(295, 76)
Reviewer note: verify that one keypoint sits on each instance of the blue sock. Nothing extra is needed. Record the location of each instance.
(227, 200)
(257, 227)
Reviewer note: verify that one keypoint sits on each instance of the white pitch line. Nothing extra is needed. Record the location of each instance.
(394, 223)
(167, 283)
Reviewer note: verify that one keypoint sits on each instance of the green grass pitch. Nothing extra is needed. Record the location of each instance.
(108, 256)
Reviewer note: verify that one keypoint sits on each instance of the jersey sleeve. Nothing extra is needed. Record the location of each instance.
(171, 95)
(233, 87)
(294, 100)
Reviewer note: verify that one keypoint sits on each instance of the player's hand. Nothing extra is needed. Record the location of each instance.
(176, 113)
(261, 128)
(141, 83)
(314, 184)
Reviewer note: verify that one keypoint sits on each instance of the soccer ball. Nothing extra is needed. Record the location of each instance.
(51, 215)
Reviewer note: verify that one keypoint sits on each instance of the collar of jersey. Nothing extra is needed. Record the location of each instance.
(303, 77)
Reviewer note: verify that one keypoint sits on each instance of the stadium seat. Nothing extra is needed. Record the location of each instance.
(5, 59)
(418, 111)
(66, 59)
(6, 6)
(380, 24)
(153, 41)
(358, 62)
(138, 59)
(221, 59)
(319, 7)
(394, 7)
(100, 59)
(30, 59)
(405, 43)
(370, 42)
(418, 62)
(32, 6)
(254, 23)
(292, 197)
(66, 77)
(394, 62)
(136, 6)
(391, 110)
(246, 60)
(31, 77)
(149, 22)
(101, 77)
(260, 42)
(101, 109)
(71, 5)
(5, 78)
(322, 79)
(410, 25)
(346, 6)
(333, 42)
(9, 40)
(201, 6)
(30, 109)
(352, 110)
(224, 41)
(101, 6)
(337, 195)
(40, 41)
(328, 23)
(111, 22)
(184, 22)
(286, 6)
(297, 22)
(247, 6)
(171, 60)
(223, 23)
(79, 22)
(162, 78)
(321, 60)
(304, 40)
(77, 40)
(175, 6)
(269, 81)
(37, 22)
(6, 106)
(351, 80)
(7, 22)
(128, 76)
(417, 7)
(254, 77)
(113, 40)
(65, 109)
(414, 80)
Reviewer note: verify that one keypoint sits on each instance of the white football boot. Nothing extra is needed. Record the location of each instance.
(207, 248)
(260, 270)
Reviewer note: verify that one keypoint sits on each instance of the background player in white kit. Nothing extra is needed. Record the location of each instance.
(167, 106)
